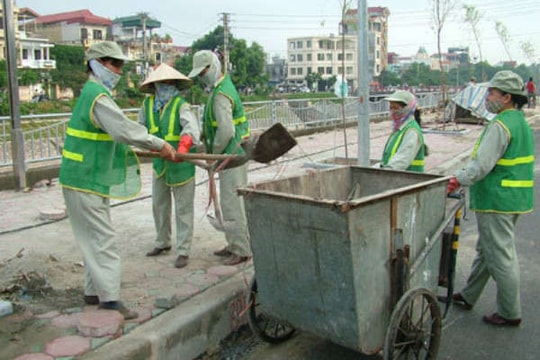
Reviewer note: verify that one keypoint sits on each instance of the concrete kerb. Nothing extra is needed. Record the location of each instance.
(189, 329)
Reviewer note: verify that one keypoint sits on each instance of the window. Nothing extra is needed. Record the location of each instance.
(25, 54)
(37, 54)
(299, 44)
(340, 57)
(309, 71)
(378, 40)
(300, 71)
(84, 33)
(349, 57)
(299, 57)
(329, 70)
(329, 57)
(293, 71)
(291, 45)
(320, 57)
(349, 70)
(292, 58)
(340, 70)
(308, 44)
(320, 70)
(321, 44)
(308, 57)
(378, 54)
(97, 34)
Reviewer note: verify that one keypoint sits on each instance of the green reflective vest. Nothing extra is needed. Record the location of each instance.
(509, 187)
(91, 161)
(241, 125)
(394, 141)
(166, 125)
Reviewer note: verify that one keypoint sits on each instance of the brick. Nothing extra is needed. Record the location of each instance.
(222, 270)
(48, 315)
(66, 321)
(101, 323)
(68, 346)
(35, 356)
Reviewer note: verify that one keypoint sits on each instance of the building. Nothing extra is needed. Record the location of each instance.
(331, 55)
(322, 55)
(277, 71)
(79, 27)
(33, 51)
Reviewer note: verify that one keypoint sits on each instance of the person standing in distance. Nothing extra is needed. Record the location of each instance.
(501, 179)
(168, 115)
(97, 165)
(224, 128)
(405, 147)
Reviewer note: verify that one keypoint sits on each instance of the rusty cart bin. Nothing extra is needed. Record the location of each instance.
(351, 255)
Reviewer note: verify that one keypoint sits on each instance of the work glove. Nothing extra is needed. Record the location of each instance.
(453, 185)
(184, 145)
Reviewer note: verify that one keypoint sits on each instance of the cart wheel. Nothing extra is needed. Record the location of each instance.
(414, 331)
(266, 328)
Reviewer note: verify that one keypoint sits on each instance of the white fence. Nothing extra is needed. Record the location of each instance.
(45, 142)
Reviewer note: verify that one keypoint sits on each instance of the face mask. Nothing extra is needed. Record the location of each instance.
(108, 78)
(164, 92)
(213, 73)
(398, 114)
(494, 106)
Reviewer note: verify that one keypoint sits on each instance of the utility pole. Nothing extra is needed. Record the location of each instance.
(363, 85)
(226, 41)
(17, 137)
(144, 16)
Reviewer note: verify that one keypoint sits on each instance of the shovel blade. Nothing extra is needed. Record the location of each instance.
(271, 144)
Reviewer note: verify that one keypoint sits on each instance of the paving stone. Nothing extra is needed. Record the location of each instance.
(66, 321)
(202, 280)
(101, 323)
(68, 346)
(222, 270)
(168, 302)
(48, 315)
(97, 342)
(186, 290)
(35, 356)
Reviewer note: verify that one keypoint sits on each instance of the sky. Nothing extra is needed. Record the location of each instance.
(271, 22)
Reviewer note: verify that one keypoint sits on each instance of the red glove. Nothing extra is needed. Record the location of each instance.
(453, 185)
(184, 145)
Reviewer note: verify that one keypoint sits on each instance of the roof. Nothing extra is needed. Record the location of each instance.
(28, 13)
(137, 21)
(71, 17)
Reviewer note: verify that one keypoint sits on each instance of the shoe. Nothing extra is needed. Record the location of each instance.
(181, 261)
(91, 299)
(497, 320)
(234, 259)
(223, 252)
(118, 306)
(156, 251)
(460, 301)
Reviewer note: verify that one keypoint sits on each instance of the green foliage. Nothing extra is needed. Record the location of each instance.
(70, 69)
(312, 78)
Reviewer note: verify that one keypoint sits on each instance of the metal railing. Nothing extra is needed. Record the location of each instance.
(44, 134)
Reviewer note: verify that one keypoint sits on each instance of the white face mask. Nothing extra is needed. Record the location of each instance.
(213, 73)
(108, 78)
(494, 107)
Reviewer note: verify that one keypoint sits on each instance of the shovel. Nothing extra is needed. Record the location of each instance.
(263, 148)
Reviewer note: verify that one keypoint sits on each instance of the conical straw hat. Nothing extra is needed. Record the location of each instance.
(162, 73)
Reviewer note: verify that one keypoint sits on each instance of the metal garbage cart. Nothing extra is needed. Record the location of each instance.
(352, 255)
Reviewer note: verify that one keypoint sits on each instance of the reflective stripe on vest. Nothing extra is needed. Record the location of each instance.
(88, 135)
(395, 148)
(170, 136)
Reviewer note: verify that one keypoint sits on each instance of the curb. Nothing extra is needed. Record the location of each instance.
(188, 330)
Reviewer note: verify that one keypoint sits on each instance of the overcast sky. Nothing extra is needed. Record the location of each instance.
(271, 22)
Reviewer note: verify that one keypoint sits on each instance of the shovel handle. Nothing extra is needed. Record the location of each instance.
(189, 156)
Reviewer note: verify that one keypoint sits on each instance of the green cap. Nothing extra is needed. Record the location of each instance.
(201, 59)
(509, 82)
(401, 96)
(105, 49)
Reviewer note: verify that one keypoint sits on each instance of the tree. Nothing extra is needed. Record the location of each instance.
(440, 10)
(312, 79)
(472, 17)
(502, 31)
(70, 69)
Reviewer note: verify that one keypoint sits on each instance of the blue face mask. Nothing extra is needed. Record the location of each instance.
(108, 78)
(164, 92)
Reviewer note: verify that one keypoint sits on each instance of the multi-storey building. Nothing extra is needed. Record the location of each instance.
(79, 27)
(33, 51)
(338, 55)
(324, 55)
